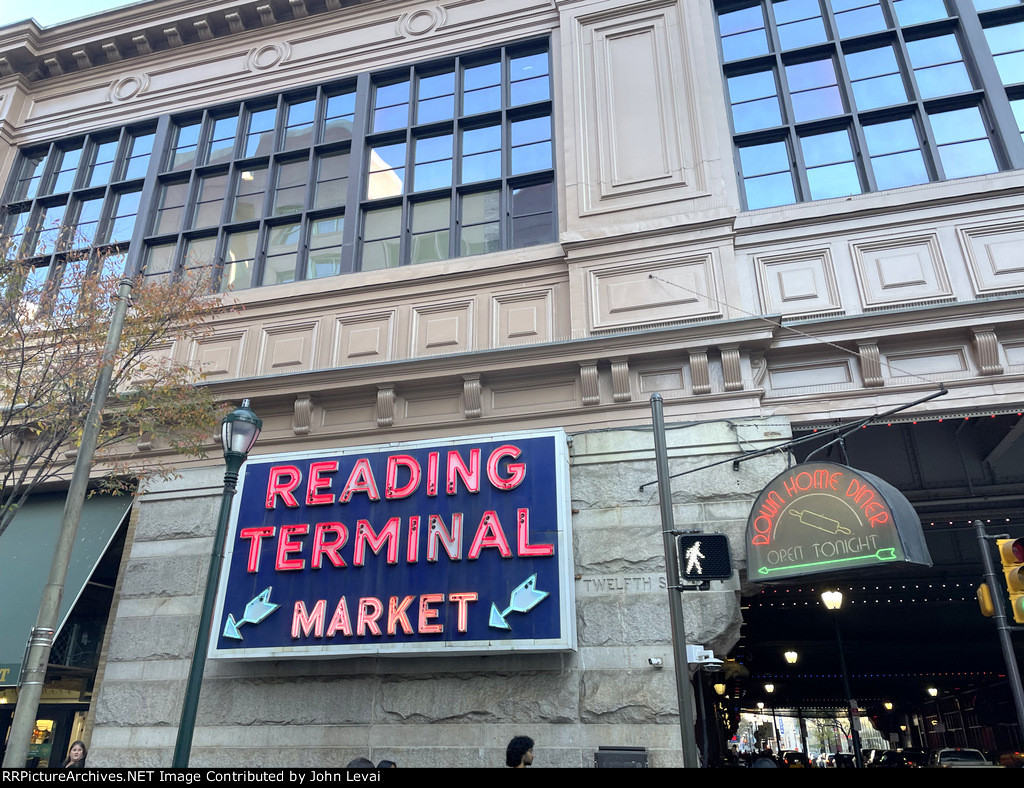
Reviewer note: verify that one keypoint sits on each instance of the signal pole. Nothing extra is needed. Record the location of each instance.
(1002, 625)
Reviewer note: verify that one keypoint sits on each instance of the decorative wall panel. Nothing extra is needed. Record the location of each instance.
(348, 412)
(634, 103)
(994, 256)
(900, 271)
(522, 318)
(363, 339)
(798, 283)
(419, 407)
(810, 375)
(219, 356)
(530, 398)
(934, 361)
(287, 347)
(444, 328)
(661, 380)
(667, 291)
(1014, 353)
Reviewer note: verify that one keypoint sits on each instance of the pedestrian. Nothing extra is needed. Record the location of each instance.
(360, 763)
(385, 764)
(76, 756)
(519, 752)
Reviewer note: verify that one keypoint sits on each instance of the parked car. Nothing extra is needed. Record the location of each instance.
(1011, 759)
(871, 758)
(891, 759)
(918, 758)
(793, 759)
(959, 758)
(845, 760)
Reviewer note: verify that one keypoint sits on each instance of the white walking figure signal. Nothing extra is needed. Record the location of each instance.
(693, 557)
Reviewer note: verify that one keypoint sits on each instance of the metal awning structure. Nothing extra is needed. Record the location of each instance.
(26, 551)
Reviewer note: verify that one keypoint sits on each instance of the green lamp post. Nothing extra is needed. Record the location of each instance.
(239, 431)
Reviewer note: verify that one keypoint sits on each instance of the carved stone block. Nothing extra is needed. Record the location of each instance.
(870, 366)
(986, 351)
(589, 383)
(700, 377)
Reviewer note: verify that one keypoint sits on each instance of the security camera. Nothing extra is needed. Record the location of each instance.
(713, 665)
(654, 662)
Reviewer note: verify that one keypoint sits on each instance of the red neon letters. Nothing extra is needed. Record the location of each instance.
(460, 475)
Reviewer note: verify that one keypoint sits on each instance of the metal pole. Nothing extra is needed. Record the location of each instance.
(684, 690)
(703, 711)
(183, 743)
(37, 655)
(854, 733)
(1002, 625)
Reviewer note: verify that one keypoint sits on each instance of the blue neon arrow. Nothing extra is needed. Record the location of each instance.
(524, 598)
(256, 609)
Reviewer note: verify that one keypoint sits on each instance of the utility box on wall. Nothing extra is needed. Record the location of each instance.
(620, 758)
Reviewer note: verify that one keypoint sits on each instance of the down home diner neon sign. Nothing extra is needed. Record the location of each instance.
(822, 517)
(439, 547)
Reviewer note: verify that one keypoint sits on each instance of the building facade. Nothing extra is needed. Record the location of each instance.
(464, 219)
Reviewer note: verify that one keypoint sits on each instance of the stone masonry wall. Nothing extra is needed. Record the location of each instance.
(440, 711)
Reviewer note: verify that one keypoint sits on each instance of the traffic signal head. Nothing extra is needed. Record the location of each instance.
(1011, 553)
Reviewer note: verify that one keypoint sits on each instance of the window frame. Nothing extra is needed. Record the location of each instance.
(1004, 133)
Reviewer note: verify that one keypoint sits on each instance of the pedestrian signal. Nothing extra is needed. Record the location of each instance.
(704, 557)
(1011, 553)
(985, 601)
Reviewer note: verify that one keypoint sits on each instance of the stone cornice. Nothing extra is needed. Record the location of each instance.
(902, 322)
(750, 333)
(38, 53)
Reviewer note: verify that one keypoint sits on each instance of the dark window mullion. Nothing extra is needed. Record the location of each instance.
(49, 174)
(148, 198)
(124, 146)
(928, 145)
(797, 169)
(771, 29)
(929, 141)
(405, 245)
(260, 251)
(352, 235)
(1008, 140)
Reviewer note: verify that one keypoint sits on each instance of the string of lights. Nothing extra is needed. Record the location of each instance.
(904, 593)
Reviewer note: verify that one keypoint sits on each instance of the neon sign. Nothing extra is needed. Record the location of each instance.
(824, 517)
(438, 547)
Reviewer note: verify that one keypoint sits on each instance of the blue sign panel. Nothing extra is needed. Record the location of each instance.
(460, 547)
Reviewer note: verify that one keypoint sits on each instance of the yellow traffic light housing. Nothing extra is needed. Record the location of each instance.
(1011, 553)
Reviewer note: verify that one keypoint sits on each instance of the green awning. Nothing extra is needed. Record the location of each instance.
(26, 551)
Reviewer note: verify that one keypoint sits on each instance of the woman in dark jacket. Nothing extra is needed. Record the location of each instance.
(76, 756)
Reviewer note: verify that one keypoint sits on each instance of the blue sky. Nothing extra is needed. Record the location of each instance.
(53, 12)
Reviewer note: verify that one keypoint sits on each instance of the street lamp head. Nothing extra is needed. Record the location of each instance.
(833, 600)
(239, 431)
(791, 657)
(769, 688)
(932, 691)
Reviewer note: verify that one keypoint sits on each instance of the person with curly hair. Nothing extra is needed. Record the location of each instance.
(519, 753)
